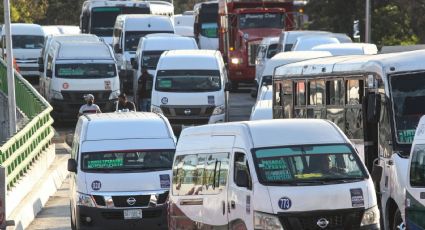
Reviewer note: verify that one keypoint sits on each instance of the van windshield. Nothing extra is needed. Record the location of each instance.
(85, 70)
(27, 42)
(308, 164)
(417, 167)
(132, 38)
(408, 94)
(148, 160)
(151, 58)
(188, 81)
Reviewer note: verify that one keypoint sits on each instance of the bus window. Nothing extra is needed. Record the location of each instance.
(300, 99)
(316, 92)
(354, 92)
(287, 98)
(354, 113)
(334, 93)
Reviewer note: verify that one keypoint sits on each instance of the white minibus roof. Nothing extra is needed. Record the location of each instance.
(145, 22)
(165, 43)
(188, 59)
(306, 43)
(268, 133)
(76, 37)
(127, 125)
(285, 58)
(84, 50)
(348, 48)
(25, 29)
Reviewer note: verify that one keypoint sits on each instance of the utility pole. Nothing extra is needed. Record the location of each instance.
(368, 23)
(10, 73)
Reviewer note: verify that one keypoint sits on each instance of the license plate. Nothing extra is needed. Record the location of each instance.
(133, 214)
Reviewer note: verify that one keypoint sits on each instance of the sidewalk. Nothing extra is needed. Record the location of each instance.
(55, 214)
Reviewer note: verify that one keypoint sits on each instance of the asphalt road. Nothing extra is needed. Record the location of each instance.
(55, 215)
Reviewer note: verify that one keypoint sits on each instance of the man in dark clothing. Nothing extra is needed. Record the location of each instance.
(124, 104)
(145, 90)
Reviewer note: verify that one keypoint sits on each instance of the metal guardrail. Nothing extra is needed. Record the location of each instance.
(19, 152)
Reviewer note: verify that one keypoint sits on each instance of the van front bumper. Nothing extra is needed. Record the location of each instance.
(101, 218)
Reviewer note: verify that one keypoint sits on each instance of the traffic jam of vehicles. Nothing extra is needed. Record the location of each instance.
(335, 140)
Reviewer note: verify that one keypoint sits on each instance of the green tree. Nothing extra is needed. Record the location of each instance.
(62, 12)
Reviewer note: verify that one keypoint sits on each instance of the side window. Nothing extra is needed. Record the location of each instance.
(300, 93)
(316, 92)
(272, 51)
(287, 98)
(186, 175)
(261, 51)
(354, 92)
(241, 170)
(334, 93)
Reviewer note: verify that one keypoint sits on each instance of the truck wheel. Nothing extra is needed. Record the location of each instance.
(397, 221)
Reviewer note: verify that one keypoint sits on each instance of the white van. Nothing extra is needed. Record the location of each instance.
(306, 43)
(266, 50)
(348, 48)
(150, 49)
(280, 59)
(120, 171)
(272, 174)
(287, 39)
(128, 30)
(262, 109)
(415, 189)
(27, 40)
(190, 88)
(75, 69)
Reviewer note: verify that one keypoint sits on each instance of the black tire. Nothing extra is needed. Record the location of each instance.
(397, 221)
(73, 226)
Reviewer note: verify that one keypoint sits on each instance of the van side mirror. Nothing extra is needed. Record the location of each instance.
(376, 174)
(117, 48)
(242, 178)
(228, 86)
(72, 165)
(40, 65)
(134, 63)
(373, 107)
(49, 73)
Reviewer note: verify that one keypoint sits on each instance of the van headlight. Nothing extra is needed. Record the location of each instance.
(56, 95)
(114, 95)
(266, 222)
(219, 110)
(156, 109)
(370, 216)
(84, 200)
(236, 61)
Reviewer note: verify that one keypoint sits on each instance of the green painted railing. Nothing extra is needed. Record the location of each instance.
(19, 152)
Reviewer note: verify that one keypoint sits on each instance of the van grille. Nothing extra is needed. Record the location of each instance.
(338, 219)
(252, 52)
(141, 201)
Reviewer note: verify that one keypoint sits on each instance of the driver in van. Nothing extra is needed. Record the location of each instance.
(323, 164)
(89, 107)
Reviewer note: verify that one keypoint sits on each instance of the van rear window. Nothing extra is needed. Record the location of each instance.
(148, 160)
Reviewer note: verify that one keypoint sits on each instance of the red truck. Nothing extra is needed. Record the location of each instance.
(242, 26)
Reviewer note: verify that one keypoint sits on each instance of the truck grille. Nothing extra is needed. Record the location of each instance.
(348, 219)
(252, 52)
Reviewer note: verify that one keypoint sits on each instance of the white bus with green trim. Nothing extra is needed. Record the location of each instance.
(377, 100)
(415, 191)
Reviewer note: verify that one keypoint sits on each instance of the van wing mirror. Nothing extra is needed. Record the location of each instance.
(72, 165)
(376, 173)
(373, 107)
(242, 178)
(49, 73)
(228, 86)
(134, 63)
(40, 65)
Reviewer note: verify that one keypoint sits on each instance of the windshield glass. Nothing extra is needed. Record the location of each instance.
(209, 30)
(103, 18)
(417, 167)
(128, 160)
(27, 42)
(150, 58)
(132, 38)
(408, 92)
(267, 20)
(188, 80)
(85, 70)
(266, 80)
(310, 163)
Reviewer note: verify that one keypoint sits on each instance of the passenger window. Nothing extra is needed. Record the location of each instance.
(287, 98)
(272, 51)
(278, 92)
(300, 93)
(49, 62)
(186, 175)
(354, 92)
(241, 170)
(316, 92)
(261, 52)
(334, 92)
